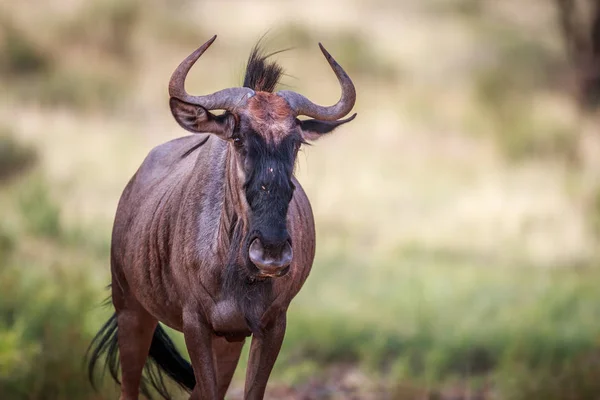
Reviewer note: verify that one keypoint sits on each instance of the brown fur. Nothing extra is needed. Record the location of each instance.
(174, 235)
(270, 116)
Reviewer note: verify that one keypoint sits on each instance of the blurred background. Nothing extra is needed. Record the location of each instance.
(458, 217)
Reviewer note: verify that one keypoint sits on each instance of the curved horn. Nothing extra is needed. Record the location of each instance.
(303, 106)
(226, 99)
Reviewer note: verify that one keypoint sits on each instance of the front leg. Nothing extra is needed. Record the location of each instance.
(263, 353)
(198, 340)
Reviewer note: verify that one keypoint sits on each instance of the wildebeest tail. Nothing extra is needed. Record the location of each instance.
(165, 355)
(163, 358)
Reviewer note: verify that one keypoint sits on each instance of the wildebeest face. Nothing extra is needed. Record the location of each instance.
(266, 142)
(264, 136)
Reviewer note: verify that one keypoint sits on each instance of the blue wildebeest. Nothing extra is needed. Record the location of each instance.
(214, 236)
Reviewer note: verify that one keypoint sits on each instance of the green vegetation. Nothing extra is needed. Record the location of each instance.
(46, 298)
(428, 323)
(353, 51)
(34, 72)
(21, 55)
(107, 26)
(14, 157)
(518, 71)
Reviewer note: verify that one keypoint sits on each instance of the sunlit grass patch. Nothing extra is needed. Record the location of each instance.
(433, 323)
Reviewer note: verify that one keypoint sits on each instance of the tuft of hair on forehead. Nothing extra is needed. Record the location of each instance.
(262, 75)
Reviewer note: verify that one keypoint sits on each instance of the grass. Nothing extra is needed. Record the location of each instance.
(46, 297)
(33, 73)
(41, 215)
(15, 158)
(22, 56)
(516, 73)
(434, 322)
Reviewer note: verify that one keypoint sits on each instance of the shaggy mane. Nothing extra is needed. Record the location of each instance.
(261, 74)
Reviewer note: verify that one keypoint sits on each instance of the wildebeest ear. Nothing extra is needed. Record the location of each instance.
(312, 129)
(197, 119)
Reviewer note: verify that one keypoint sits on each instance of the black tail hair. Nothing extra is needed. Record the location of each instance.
(164, 357)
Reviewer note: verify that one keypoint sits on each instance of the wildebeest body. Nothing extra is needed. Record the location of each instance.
(181, 185)
(214, 236)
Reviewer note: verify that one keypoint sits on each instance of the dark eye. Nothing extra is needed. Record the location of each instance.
(237, 141)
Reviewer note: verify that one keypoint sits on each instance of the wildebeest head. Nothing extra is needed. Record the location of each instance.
(263, 130)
